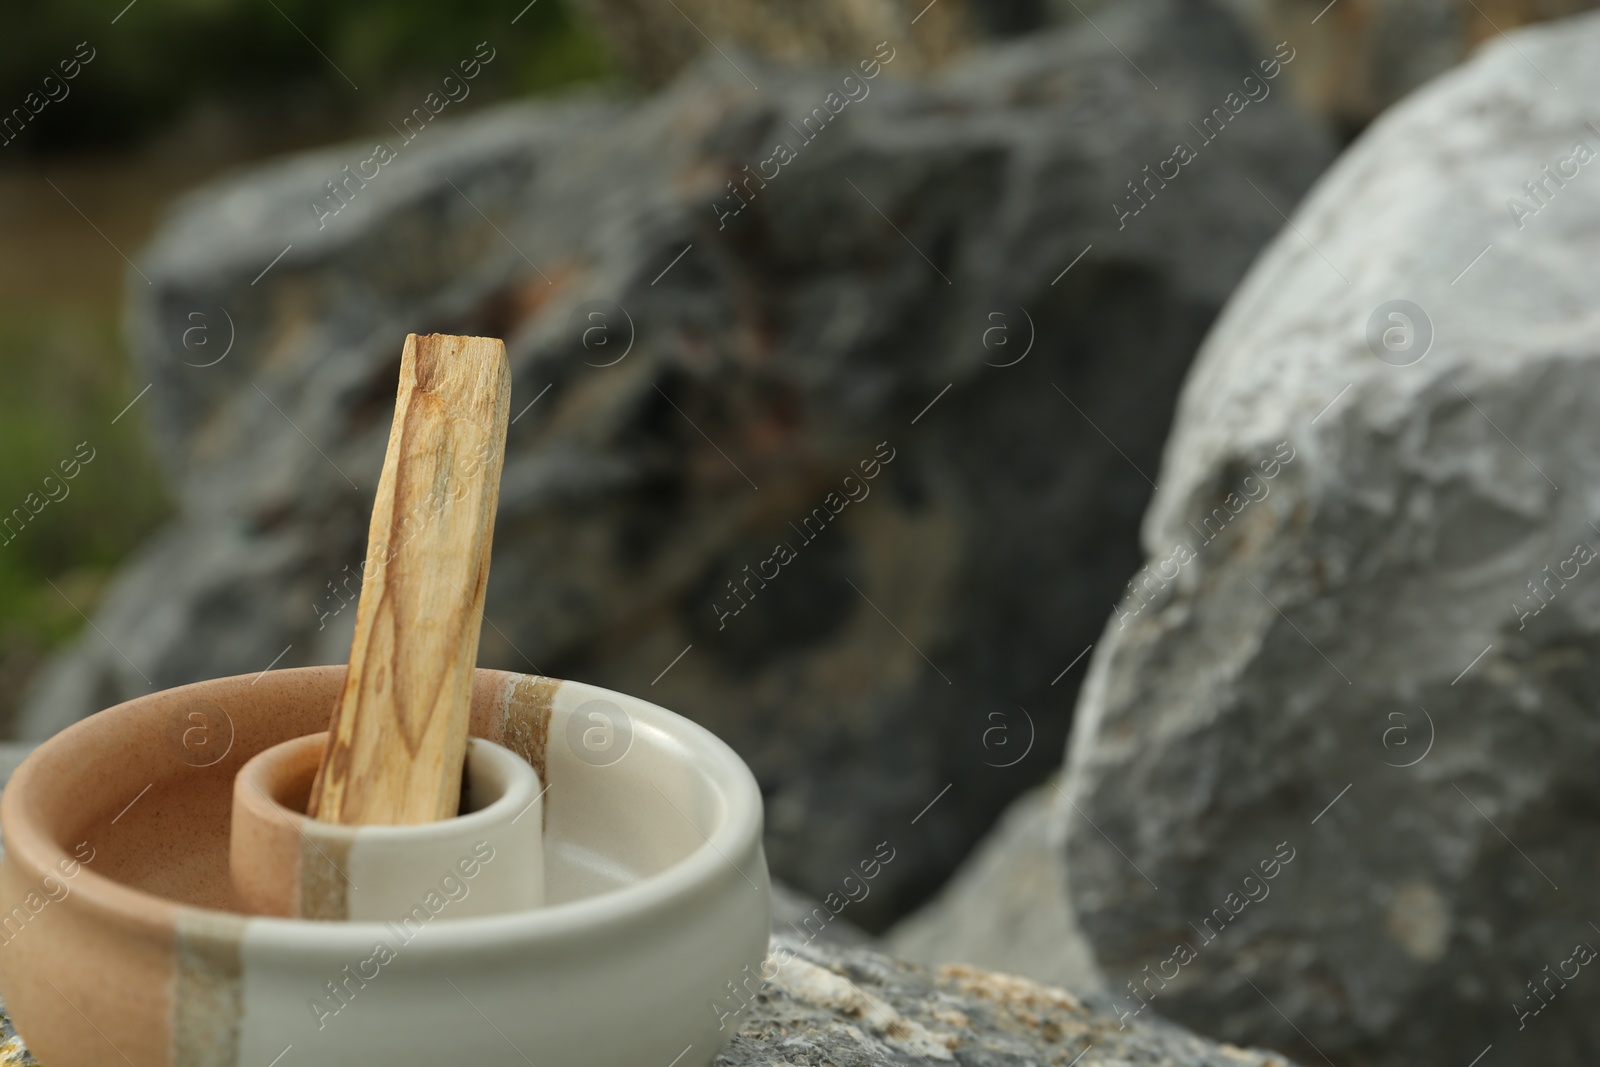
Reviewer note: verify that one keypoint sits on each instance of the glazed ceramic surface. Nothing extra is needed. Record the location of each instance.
(124, 940)
(489, 860)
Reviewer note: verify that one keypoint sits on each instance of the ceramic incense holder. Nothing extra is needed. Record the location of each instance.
(125, 938)
(283, 863)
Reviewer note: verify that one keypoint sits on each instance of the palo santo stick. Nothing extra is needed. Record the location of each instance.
(398, 738)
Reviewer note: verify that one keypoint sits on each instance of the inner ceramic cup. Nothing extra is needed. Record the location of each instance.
(126, 941)
(486, 860)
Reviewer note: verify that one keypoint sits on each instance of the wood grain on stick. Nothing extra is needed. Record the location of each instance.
(398, 737)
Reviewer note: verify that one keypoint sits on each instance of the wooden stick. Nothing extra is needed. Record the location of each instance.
(398, 738)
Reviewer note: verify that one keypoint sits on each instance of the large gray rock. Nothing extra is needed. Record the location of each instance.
(1352, 738)
(851, 315)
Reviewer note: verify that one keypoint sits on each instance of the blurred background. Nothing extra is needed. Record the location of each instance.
(186, 92)
(911, 289)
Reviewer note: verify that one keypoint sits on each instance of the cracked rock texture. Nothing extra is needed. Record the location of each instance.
(693, 389)
(1384, 661)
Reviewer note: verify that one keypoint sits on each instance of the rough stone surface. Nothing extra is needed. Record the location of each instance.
(858, 1008)
(13, 1053)
(1385, 663)
(906, 646)
(1007, 907)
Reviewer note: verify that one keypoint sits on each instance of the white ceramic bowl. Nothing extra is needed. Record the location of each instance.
(656, 887)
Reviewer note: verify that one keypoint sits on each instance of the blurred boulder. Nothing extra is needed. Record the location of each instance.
(1006, 907)
(791, 909)
(846, 463)
(1344, 718)
(1356, 57)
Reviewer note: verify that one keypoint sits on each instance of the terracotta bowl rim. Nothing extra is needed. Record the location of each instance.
(738, 833)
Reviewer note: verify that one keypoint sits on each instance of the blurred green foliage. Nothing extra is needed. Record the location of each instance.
(161, 56)
(57, 395)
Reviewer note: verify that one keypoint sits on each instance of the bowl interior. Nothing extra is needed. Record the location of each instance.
(144, 789)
